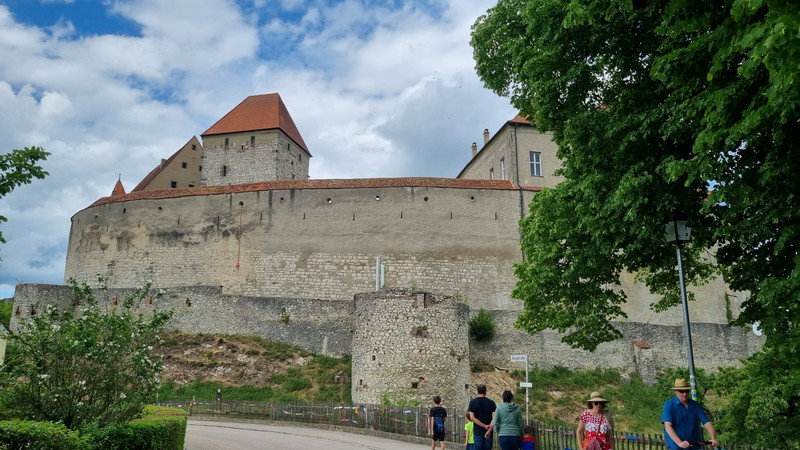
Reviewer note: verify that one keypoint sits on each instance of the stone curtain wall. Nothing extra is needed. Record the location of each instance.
(318, 326)
(410, 343)
(323, 243)
(310, 243)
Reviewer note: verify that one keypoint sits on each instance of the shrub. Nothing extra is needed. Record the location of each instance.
(161, 428)
(84, 365)
(28, 434)
(481, 327)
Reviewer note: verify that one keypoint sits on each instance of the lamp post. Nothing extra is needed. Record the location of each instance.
(677, 233)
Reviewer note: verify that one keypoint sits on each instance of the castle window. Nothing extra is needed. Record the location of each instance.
(191, 184)
(183, 165)
(194, 146)
(491, 173)
(503, 169)
(289, 147)
(299, 157)
(227, 143)
(252, 141)
(224, 170)
(536, 164)
(200, 168)
(173, 184)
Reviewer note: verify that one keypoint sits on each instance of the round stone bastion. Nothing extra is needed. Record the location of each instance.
(410, 345)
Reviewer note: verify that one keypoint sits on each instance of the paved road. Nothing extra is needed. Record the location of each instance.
(202, 435)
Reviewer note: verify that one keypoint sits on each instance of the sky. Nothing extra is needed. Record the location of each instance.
(109, 87)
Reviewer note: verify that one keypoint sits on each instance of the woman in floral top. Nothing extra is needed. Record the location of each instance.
(598, 424)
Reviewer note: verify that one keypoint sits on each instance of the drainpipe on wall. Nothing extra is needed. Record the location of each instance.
(521, 198)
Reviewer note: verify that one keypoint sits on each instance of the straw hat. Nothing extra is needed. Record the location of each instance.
(680, 385)
(595, 397)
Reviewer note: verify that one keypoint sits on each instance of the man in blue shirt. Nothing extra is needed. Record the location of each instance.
(680, 417)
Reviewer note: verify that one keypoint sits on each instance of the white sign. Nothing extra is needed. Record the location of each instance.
(524, 384)
(515, 358)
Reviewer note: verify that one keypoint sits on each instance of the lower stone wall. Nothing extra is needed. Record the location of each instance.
(319, 326)
(643, 348)
(328, 326)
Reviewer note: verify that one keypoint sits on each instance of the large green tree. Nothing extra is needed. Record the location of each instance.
(657, 107)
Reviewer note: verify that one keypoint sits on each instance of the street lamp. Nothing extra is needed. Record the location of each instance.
(676, 232)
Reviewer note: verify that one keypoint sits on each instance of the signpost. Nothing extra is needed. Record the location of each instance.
(526, 384)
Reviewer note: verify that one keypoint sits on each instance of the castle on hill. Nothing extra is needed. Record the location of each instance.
(240, 236)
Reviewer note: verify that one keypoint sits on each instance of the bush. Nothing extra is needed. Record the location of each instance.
(481, 327)
(161, 428)
(84, 365)
(19, 434)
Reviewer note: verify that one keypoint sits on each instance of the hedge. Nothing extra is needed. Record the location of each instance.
(160, 428)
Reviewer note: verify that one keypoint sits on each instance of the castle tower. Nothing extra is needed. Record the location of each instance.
(256, 141)
(410, 344)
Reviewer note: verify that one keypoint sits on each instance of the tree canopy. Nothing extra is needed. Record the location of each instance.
(20, 167)
(657, 107)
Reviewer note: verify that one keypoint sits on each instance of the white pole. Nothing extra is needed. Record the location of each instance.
(378, 273)
(527, 400)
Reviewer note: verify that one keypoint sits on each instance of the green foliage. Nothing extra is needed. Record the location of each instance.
(400, 399)
(161, 428)
(765, 388)
(85, 365)
(284, 316)
(6, 306)
(481, 327)
(44, 435)
(20, 167)
(659, 107)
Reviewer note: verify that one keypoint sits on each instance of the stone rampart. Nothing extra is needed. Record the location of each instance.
(320, 326)
(308, 243)
(437, 235)
(643, 349)
(382, 327)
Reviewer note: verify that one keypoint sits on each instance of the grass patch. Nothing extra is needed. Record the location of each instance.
(289, 373)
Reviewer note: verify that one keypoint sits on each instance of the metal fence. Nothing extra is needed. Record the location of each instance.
(410, 421)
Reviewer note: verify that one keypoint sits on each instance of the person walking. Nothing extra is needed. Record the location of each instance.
(508, 423)
(469, 440)
(681, 417)
(598, 423)
(436, 426)
(481, 410)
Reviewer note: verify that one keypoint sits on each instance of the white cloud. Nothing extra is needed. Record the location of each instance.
(375, 91)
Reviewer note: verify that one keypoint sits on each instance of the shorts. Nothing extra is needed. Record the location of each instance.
(438, 436)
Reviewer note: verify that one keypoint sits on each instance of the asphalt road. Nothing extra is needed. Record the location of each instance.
(202, 435)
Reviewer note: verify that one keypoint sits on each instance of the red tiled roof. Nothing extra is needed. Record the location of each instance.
(153, 173)
(119, 189)
(258, 112)
(519, 119)
(355, 183)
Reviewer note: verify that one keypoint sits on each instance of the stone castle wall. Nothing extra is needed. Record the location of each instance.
(410, 343)
(323, 243)
(308, 243)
